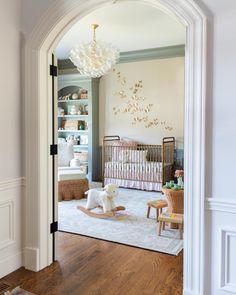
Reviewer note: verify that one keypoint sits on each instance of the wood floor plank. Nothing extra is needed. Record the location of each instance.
(88, 266)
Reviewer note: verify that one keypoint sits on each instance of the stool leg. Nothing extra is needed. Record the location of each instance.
(163, 226)
(157, 212)
(181, 231)
(160, 210)
(159, 229)
(148, 211)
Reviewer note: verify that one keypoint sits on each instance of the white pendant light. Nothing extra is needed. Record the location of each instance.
(96, 58)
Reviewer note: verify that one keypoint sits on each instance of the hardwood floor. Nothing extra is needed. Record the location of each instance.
(88, 266)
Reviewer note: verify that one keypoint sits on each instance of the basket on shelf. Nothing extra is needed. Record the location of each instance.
(70, 124)
(82, 156)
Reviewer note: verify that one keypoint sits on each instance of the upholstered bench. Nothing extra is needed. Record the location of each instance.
(72, 184)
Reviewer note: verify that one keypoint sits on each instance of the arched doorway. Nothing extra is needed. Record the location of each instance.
(38, 49)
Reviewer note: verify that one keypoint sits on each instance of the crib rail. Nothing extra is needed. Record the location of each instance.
(138, 162)
(168, 156)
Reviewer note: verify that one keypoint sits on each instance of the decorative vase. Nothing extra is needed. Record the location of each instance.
(73, 110)
(81, 127)
(180, 182)
(75, 96)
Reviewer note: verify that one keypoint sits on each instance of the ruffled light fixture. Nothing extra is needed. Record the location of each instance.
(96, 58)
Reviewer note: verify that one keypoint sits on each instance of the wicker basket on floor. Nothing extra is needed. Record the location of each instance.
(72, 189)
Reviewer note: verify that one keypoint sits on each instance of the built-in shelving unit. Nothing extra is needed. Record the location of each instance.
(78, 118)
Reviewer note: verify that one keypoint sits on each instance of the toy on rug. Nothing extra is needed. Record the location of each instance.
(103, 199)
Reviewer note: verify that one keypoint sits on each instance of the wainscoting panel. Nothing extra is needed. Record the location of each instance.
(221, 219)
(11, 237)
(228, 260)
(6, 227)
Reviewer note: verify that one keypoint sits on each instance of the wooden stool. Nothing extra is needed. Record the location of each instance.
(172, 218)
(158, 205)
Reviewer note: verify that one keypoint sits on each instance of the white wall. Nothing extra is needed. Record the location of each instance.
(11, 104)
(11, 138)
(163, 87)
(221, 130)
(221, 146)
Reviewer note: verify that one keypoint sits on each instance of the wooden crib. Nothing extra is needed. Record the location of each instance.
(139, 166)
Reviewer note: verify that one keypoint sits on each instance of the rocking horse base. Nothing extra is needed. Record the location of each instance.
(101, 215)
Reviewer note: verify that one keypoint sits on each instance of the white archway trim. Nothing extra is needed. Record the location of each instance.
(38, 48)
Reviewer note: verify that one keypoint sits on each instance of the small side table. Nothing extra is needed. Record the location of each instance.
(158, 205)
(172, 218)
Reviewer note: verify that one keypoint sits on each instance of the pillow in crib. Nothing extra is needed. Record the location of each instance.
(137, 156)
(118, 146)
(124, 156)
(126, 141)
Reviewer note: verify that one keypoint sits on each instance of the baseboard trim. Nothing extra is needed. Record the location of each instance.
(186, 292)
(11, 263)
(222, 205)
(31, 258)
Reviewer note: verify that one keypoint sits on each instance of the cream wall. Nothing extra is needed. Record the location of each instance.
(11, 193)
(10, 101)
(163, 86)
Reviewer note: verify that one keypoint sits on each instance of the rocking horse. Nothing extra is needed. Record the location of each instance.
(102, 199)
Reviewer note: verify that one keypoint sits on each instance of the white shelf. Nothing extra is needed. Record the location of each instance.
(73, 116)
(81, 146)
(74, 100)
(74, 131)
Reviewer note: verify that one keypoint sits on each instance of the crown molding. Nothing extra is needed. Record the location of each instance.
(152, 53)
(133, 56)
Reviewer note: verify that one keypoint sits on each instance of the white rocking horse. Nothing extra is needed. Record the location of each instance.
(103, 199)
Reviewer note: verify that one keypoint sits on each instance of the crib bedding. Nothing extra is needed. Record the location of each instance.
(136, 184)
(147, 171)
(146, 175)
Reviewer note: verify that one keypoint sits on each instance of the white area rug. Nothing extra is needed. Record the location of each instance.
(131, 227)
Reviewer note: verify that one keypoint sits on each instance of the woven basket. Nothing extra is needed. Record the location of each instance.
(82, 156)
(72, 189)
(175, 200)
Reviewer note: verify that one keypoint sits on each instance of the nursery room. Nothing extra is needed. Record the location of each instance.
(120, 128)
(119, 117)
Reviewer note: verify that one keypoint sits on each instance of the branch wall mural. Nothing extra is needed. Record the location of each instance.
(136, 105)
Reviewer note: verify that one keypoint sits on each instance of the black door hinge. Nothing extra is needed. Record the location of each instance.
(53, 71)
(53, 149)
(53, 227)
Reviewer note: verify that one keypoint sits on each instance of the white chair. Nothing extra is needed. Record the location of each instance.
(66, 163)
